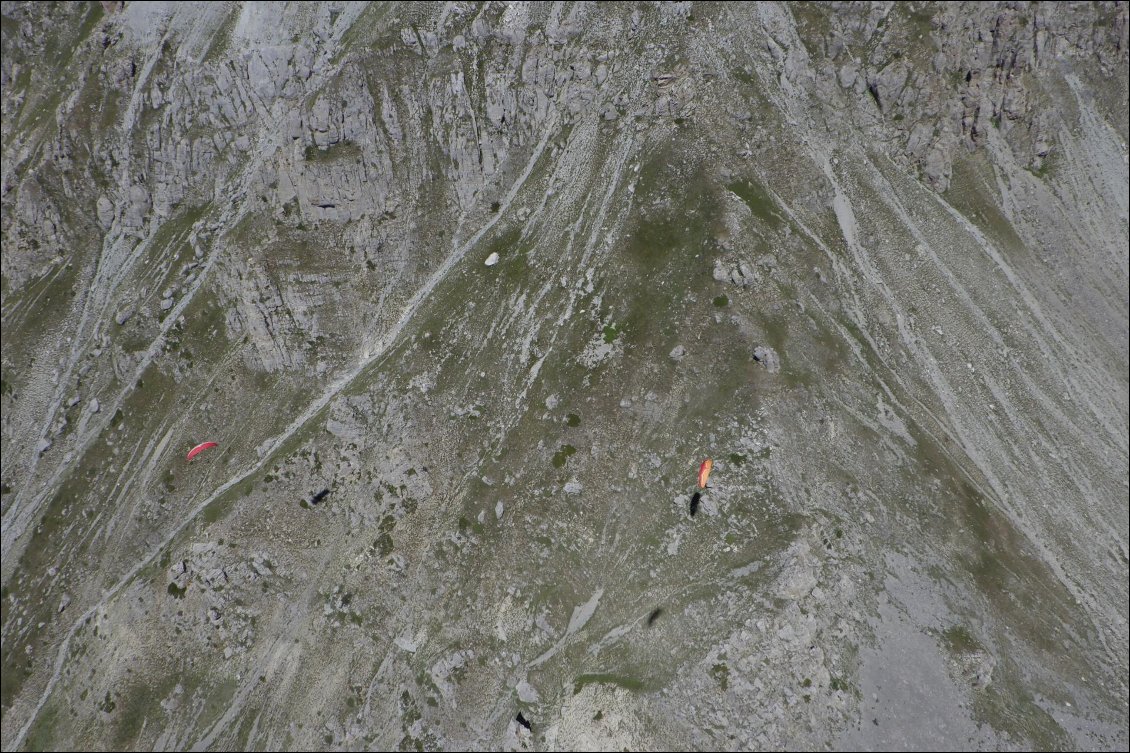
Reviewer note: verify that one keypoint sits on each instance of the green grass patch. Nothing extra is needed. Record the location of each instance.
(222, 506)
(43, 733)
(776, 330)
(173, 233)
(17, 667)
(345, 150)
(813, 23)
(137, 702)
(1007, 704)
(1046, 167)
(46, 77)
(606, 678)
(665, 253)
(959, 640)
(49, 301)
(222, 39)
(1002, 564)
(217, 700)
(972, 192)
(361, 32)
(758, 201)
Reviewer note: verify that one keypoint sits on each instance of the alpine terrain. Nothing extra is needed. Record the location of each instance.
(465, 293)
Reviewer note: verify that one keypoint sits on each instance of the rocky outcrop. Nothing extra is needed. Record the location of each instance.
(942, 76)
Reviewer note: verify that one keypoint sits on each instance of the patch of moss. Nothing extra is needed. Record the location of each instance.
(721, 674)
(562, 455)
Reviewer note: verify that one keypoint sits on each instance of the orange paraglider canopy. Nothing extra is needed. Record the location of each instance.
(200, 448)
(704, 472)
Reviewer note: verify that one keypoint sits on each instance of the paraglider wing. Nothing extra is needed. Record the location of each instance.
(200, 448)
(704, 472)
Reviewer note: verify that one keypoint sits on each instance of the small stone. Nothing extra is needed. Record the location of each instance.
(166, 304)
(677, 353)
(492, 259)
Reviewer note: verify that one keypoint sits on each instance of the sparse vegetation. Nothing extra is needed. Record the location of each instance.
(443, 487)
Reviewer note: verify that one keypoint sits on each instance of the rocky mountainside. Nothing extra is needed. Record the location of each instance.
(465, 292)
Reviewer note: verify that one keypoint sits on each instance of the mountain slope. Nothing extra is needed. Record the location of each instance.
(870, 258)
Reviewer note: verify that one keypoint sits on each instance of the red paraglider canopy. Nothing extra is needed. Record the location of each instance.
(704, 472)
(200, 448)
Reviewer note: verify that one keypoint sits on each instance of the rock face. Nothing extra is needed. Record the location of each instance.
(536, 260)
(768, 358)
